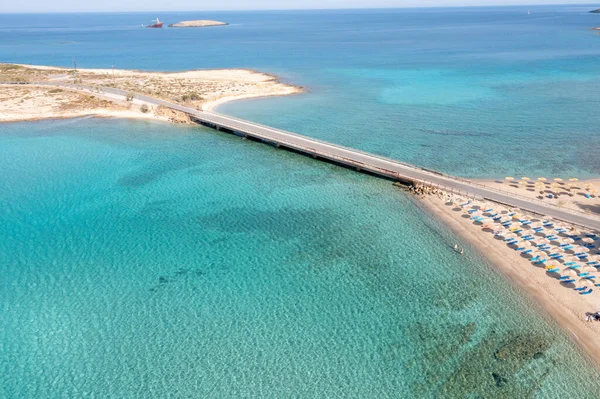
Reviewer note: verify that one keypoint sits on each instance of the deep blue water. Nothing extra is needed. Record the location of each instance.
(149, 260)
(514, 92)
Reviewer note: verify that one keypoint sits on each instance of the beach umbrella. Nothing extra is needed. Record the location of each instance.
(586, 270)
(569, 273)
(567, 240)
(553, 267)
(558, 179)
(593, 260)
(542, 179)
(511, 235)
(522, 183)
(581, 249)
(574, 179)
(509, 178)
(587, 240)
(535, 255)
(585, 283)
(556, 250)
(501, 233)
(525, 178)
(572, 261)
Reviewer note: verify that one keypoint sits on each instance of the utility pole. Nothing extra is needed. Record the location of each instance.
(113, 70)
(75, 64)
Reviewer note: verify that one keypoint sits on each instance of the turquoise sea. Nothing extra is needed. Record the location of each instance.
(142, 259)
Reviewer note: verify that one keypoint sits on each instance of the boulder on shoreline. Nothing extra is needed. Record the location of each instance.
(202, 23)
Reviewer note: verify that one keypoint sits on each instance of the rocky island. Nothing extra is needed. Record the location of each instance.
(596, 11)
(202, 23)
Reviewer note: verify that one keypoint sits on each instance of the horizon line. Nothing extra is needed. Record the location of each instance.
(304, 9)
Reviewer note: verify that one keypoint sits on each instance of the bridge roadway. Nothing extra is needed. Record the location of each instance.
(354, 158)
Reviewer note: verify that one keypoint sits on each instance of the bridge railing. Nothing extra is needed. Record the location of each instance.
(566, 206)
(103, 90)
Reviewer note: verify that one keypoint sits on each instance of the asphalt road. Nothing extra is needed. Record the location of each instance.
(361, 160)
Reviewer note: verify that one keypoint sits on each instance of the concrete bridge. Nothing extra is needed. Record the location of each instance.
(352, 158)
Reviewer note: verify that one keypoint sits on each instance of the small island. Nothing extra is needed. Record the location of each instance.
(596, 11)
(202, 23)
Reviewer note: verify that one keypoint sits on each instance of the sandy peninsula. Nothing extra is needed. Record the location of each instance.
(201, 23)
(200, 89)
(562, 303)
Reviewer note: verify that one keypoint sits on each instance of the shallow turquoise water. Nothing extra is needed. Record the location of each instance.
(478, 92)
(148, 260)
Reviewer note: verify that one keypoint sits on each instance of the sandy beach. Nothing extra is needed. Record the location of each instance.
(202, 89)
(208, 89)
(30, 103)
(565, 194)
(561, 302)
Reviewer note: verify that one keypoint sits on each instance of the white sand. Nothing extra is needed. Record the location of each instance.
(563, 304)
(569, 197)
(201, 89)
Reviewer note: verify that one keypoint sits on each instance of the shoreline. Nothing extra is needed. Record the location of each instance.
(563, 305)
(203, 89)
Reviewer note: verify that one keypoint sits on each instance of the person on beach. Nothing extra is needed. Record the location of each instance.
(592, 316)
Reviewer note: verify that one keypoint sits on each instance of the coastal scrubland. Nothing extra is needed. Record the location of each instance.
(201, 89)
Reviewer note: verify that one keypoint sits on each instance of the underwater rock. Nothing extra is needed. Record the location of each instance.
(499, 380)
(523, 347)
